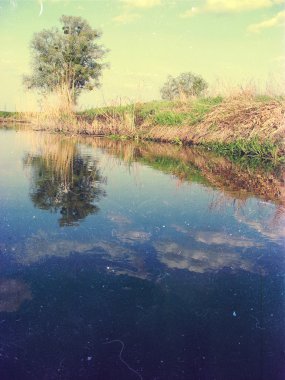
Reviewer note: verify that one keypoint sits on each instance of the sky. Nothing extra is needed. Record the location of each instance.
(231, 43)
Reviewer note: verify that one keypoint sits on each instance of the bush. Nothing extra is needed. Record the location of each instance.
(183, 87)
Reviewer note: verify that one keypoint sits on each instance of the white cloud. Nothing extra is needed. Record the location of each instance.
(126, 18)
(277, 20)
(221, 6)
(231, 6)
(141, 3)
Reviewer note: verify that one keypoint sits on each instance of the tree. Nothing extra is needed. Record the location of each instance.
(183, 86)
(66, 186)
(66, 60)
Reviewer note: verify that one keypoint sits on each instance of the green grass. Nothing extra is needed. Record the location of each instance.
(169, 118)
(201, 108)
(7, 114)
(268, 98)
(150, 109)
(159, 112)
(177, 113)
(251, 149)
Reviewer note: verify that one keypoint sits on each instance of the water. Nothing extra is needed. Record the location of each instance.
(128, 261)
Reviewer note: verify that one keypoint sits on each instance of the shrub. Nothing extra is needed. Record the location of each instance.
(183, 87)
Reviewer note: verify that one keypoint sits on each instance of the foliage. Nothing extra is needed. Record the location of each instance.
(68, 59)
(184, 86)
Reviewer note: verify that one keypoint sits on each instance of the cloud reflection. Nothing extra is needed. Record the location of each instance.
(12, 294)
(222, 238)
(179, 256)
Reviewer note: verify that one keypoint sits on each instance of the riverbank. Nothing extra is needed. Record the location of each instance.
(236, 126)
(13, 118)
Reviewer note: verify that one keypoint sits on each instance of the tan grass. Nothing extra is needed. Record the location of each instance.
(246, 118)
(240, 116)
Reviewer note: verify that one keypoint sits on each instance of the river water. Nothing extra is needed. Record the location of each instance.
(121, 260)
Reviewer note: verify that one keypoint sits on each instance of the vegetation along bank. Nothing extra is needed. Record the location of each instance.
(236, 126)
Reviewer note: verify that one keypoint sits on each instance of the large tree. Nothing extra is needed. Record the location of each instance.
(67, 59)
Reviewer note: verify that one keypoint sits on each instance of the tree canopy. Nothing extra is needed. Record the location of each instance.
(183, 86)
(66, 59)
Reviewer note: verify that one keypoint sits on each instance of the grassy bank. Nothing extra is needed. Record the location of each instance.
(241, 126)
(237, 126)
(7, 116)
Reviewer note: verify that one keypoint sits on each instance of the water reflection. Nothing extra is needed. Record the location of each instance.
(12, 294)
(132, 252)
(235, 181)
(184, 264)
(183, 325)
(218, 238)
(64, 181)
(271, 225)
(180, 256)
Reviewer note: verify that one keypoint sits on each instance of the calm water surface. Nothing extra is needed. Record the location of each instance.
(127, 261)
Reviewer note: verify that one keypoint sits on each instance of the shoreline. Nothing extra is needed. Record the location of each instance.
(236, 127)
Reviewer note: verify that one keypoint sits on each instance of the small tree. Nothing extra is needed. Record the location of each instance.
(183, 86)
(67, 59)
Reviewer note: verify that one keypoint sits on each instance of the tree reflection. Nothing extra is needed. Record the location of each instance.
(65, 181)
